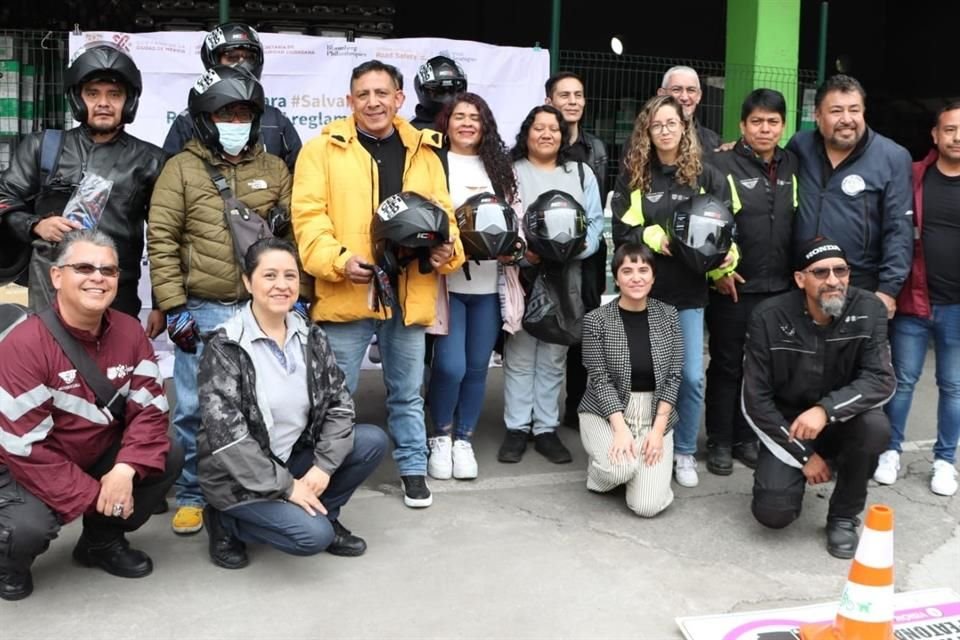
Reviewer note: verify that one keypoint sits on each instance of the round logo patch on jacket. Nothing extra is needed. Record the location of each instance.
(853, 185)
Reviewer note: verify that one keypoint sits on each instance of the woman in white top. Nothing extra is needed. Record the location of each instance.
(476, 162)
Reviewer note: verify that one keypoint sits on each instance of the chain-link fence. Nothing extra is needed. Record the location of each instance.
(31, 85)
(617, 87)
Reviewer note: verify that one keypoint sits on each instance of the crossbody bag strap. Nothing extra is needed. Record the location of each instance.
(108, 397)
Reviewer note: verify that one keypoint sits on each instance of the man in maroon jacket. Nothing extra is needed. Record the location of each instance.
(61, 456)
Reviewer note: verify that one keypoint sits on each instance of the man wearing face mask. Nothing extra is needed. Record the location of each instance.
(193, 267)
(238, 45)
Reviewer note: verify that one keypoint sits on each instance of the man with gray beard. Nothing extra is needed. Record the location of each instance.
(816, 372)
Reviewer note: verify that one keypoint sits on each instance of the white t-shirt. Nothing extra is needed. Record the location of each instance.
(468, 178)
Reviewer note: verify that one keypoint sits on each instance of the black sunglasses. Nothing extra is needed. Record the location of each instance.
(822, 273)
(87, 269)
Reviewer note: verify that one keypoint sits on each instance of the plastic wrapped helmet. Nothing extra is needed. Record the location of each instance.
(102, 61)
(488, 227)
(406, 226)
(701, 232)
(555, 226)
(233, 35)
(220, 86)
(438, 80)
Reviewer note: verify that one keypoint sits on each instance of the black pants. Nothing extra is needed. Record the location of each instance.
(27, 525)
(727, 325)
(851, 449)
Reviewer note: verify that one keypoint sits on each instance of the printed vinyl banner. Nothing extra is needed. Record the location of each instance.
(932, 613)
(308, 77)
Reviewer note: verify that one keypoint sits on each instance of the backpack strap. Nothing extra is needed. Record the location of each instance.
(108, 397)
(51, 144)
(219, 181)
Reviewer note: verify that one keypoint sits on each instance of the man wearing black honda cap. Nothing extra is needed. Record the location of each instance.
(816, 372)
(236, 44)
(103, 88)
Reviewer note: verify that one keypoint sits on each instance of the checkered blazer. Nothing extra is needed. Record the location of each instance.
(606, 356)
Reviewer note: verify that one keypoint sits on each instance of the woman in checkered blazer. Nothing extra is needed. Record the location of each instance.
(633, 353)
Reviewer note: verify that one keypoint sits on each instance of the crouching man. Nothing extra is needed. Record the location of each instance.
(63, 454)
(816, 371)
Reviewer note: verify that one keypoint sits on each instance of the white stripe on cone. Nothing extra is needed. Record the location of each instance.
(875, 549)
(866, 604)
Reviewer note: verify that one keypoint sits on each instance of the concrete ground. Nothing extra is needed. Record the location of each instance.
(522, 552)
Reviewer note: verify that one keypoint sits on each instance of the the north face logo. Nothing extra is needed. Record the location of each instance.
(750, 183)
(68, 376)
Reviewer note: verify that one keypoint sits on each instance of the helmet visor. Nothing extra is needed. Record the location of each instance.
(702, 231)
(490, 218)
(561, 224)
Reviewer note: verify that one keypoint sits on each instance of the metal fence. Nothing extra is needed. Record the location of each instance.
(617, 87)
(31, 85)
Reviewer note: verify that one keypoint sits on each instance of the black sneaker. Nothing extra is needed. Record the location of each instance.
(15, 585)
(416, 493)
(225, 550)
(747, 453)
(345, 543)
(514, 444)
(719, 459)
(549, 446)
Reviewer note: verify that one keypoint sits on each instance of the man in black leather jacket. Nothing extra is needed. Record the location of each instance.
(103, 87)
(816, 372)
(565, 91)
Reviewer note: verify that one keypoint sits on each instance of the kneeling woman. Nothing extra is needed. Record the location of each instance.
(633, 354)
(278, 452)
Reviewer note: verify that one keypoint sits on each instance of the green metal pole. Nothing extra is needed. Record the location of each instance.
(555, 37)
(822, 49)
(224, 11)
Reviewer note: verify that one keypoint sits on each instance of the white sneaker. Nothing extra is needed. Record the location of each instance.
(943, 482)
(685, 470)
(888, 467)
(464, 462)
(440, 465)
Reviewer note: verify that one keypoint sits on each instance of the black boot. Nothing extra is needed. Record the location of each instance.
(114, 556)
(15, 585)
(842, 537)
(225, 550)
(345, 543)
(747, 453)
(514, 444)
(719, 459)
(550, 447)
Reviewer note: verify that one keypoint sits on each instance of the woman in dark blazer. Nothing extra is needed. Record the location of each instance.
(633, 353)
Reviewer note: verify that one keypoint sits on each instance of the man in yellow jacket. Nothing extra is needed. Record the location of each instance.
(341, 178)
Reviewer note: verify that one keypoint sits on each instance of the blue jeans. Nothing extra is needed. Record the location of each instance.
(458, 373)
(533, 372)
(690, 398)
(286, 526)
(909, 340)
(186, 410)
(402, 350)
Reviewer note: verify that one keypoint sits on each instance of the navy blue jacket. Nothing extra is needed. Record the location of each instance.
(865, 205)
(277, 132)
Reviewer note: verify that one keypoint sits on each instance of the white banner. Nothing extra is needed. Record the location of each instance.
(308, 77)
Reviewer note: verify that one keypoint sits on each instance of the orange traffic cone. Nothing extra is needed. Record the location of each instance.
(866, 605)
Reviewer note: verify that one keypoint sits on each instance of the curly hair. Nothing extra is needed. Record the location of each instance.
(521, 150)
(640, 147)
(492, 150)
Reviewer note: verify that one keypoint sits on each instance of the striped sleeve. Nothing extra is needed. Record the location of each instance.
(26, 420)
(145, 444)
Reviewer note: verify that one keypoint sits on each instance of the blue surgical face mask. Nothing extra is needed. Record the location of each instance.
(234, 136)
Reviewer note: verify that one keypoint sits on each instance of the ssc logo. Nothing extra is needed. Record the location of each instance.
(206, 81)
(391, 207)
(215, 38)
(853, 185)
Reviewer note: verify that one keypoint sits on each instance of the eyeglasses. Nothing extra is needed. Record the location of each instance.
(659, 127)
(235, 56)
(87, 269)
(234, 114)
(822, 273)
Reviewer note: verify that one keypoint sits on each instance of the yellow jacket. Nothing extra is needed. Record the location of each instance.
(335, 194)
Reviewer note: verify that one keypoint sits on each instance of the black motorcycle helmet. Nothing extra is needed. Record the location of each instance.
(10, 316)
(220, 86)
(232, 35)
(701, 232)
(14, 258)
(438, 80)
(102, 61)
(488, 227)
(555, 226)
(407, 220)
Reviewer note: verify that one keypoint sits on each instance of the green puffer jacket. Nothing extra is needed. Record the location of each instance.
(190, 248)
